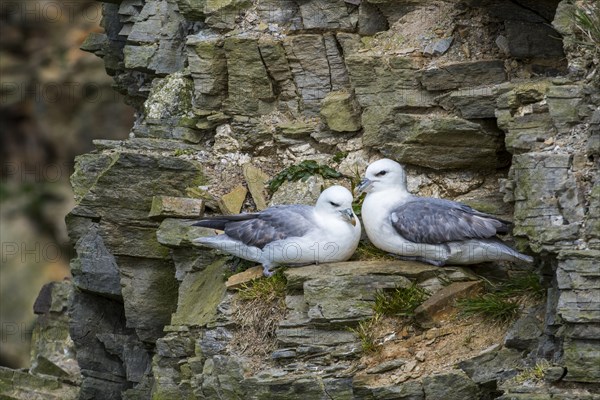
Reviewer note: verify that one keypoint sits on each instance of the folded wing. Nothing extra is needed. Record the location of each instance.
(262, 228)
(436, 221)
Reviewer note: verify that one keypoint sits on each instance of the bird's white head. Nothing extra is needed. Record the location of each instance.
(383, 174)
(337, 200)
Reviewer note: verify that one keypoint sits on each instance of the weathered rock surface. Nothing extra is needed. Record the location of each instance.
(441, 304)
(182, 207)
(451, 385)
(462, 75)
(341, 112)
(424, 140)
(220, 85)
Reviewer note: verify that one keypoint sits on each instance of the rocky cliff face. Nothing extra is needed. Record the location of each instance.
(478, 99)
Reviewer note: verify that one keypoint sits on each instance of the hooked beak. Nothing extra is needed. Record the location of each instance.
(348, 215)
(363, 186)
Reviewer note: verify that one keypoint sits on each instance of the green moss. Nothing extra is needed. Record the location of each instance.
(265, 289)
(188, 122)
(199, 179)
(183, 152)
(209, 284)
(339, 156)
(88, 169)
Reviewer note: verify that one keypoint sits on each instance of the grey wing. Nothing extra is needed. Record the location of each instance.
(274, 223)
(436, 221)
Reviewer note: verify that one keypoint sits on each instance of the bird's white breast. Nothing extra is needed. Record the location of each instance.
(376, 211)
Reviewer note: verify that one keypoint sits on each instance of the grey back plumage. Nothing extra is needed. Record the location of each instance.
(437, 221)
(262, 228)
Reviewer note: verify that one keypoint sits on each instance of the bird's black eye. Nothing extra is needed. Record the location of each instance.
(334, 204)
(381, 173)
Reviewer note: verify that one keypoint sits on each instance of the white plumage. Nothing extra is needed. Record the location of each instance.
(290, 234)
(431, 230)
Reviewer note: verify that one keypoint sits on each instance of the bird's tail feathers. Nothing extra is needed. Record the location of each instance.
(219, 221)
(210, 241)
(513, 253)
(523, 257)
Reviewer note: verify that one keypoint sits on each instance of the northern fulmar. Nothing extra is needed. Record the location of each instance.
(290, 234)
(426, 229)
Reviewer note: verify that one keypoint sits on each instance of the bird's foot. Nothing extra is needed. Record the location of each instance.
(267, 271)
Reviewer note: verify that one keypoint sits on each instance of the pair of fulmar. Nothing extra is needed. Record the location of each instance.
(426, 229)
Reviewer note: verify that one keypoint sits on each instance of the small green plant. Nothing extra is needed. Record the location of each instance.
(265, 289)
(400, 301)
(365, 330)
(587, 24)
(339, 156)
(533, 374)
(502, 302)
(357, 205)
(525, 284)
(491, 306)
(302, 171)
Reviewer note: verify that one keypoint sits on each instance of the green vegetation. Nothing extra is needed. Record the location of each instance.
(367, 251)
(587, 24)
(526, 284)
(184, 152)
(491, 306)
(302, 171)
(339, 156)
(257, 310)
(502, 303)
(266, 289)
(357, 205)
(533, 374)
(400, 301)
(366, 334)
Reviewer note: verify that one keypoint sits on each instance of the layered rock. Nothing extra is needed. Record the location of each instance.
(220, 85)
(54, 373)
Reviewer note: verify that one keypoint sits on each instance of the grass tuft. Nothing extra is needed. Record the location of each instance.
(533, 374)
(367, 251)
(587, 24)
(525, 284)
(400, 301)
(257, 310)
(491, 306)
(503, 303)
(365, 330)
